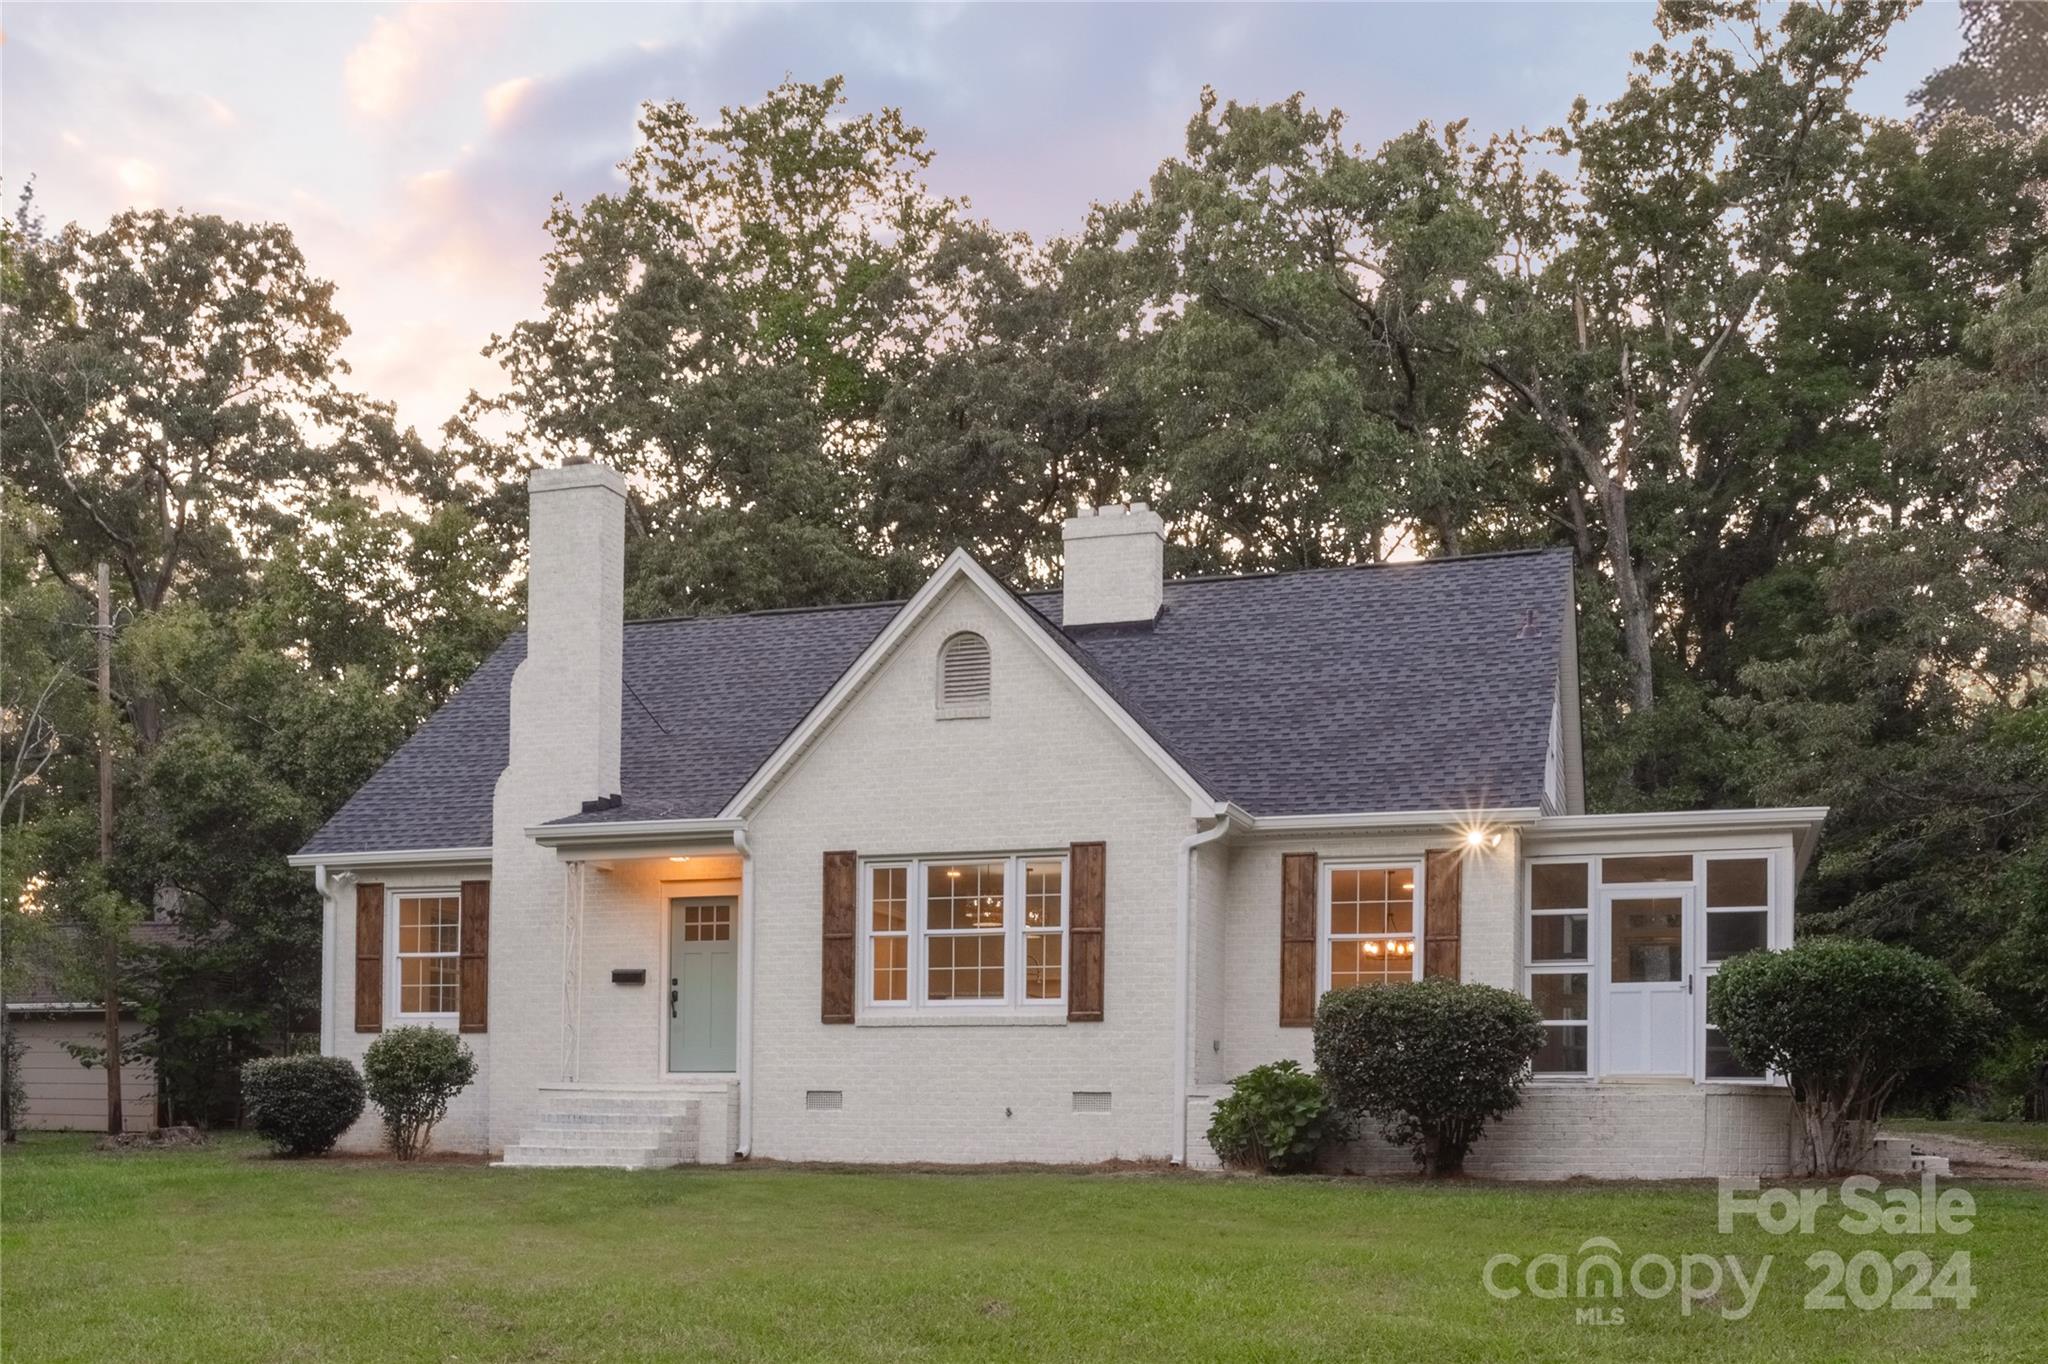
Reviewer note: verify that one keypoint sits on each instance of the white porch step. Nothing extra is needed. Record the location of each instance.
(616, 1129)
(1901, 1156)
(534, 1155)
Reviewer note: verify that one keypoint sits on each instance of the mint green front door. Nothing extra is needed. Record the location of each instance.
(703, 985)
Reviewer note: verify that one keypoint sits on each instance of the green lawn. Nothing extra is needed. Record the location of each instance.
(226, 1254)
(2029, 1139)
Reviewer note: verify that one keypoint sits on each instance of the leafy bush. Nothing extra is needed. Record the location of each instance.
(302, 1104)
(13, 1090)
(411, 1075)
(1432, 1063)
(1847, 1021)
(1276, 1119)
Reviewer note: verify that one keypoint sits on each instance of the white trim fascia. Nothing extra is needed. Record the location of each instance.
(957, 566)
(1803, 822)
(615, 832)
(397, 857)
(1368, 821)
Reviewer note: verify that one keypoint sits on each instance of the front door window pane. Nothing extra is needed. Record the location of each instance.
(1648, 939)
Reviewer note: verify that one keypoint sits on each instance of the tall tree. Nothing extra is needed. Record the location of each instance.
(2002, 74)
(172, 400)
(726, 329)
(1918, 706)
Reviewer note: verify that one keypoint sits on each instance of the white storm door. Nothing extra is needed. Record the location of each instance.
(1646, 1026)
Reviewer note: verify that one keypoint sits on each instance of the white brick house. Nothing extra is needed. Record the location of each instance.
(980, 877)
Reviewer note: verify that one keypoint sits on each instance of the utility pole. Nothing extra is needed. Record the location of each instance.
(105, 633)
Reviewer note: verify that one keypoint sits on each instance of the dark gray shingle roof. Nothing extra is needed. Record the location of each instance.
(1394, 687)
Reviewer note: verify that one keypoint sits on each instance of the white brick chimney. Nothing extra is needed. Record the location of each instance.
(565, 696)
(1116, 565)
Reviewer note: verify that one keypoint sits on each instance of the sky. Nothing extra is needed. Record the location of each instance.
(414, 149)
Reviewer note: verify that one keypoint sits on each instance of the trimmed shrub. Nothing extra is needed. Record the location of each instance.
(301, 1104)
(1847, 1021)
(1276, 1118)
(411, 1075)
(1430, 1063)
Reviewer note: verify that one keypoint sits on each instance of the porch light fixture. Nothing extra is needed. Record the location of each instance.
(1480, 838)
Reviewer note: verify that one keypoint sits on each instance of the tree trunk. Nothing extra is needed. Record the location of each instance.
(1634, 599)
(105, 632)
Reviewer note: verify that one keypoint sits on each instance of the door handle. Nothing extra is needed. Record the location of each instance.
(1688, 982)
(672, 992)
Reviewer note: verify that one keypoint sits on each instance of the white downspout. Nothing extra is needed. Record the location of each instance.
(1183, 949)
(326, 959)
(743, 1033)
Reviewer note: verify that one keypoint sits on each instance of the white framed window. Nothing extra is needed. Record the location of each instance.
(1370, 915)
(427, 952)
(987, 931)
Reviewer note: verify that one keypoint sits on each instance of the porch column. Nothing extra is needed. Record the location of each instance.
(573, 887)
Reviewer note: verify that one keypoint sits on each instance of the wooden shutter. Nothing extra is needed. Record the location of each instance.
(1443, 892)
(1087, 901)
(1297, 940)
(842, 895)
(369, 956)
(475, 994)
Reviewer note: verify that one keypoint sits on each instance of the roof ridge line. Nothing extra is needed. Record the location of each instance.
(771, 611)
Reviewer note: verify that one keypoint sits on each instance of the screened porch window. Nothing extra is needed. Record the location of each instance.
(1560, 947)
(1621, 953)
(1738, 911)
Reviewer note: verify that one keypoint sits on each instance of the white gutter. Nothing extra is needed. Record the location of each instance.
(1183, 934)
(1803, 822)
(396, 857)
(743, 1032)
(1369, 820)
(326, 959)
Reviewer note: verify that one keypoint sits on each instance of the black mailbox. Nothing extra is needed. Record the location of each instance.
(633, 977)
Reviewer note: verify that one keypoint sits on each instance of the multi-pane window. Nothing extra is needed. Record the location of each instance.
(987, 931)
(429, 931)
(889, 932)
(710, 922)
(1560, 950)
(965, 904)
(1371, 929)
(1045, 923)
